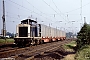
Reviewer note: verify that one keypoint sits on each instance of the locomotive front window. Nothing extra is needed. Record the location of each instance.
(23, 31)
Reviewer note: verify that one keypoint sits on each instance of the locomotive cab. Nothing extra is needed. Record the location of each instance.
(27, 28)
(27, 33)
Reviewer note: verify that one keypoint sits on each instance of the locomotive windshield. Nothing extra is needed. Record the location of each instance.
(28, 21)
(23, 31)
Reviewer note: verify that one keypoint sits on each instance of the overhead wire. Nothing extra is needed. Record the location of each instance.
(27, 9)
(13, 14)
(23, 7)
(52, 8)
(38, 9)
(57, 8)
(78, 8)
(49, 19)
(34, 7)
(60, 11)
(9, 16)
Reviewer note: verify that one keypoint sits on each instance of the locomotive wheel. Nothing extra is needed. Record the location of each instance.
(57, 40)
(38, 42)
(42, 41)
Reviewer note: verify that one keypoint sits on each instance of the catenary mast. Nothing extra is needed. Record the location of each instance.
(3, 18)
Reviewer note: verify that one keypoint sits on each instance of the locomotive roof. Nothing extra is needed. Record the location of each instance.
(26, 20)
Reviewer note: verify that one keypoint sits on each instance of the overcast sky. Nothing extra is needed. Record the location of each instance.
(57, 13)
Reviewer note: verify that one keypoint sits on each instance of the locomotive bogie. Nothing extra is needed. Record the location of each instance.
(25, 41)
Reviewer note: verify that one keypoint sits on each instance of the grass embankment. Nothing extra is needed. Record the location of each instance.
(2, 41)
(69, 48)
(70, 45)
(83, 53)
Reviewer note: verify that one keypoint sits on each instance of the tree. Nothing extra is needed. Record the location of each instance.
(88, 36)
(10, 34)
(69, 34)
(83, 36)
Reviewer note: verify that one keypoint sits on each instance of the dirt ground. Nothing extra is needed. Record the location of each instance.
(69, 56)
(57, 55)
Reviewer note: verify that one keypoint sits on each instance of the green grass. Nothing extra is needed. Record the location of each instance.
(70, 45)
(70, 48)
(84, 53)
(7, 41)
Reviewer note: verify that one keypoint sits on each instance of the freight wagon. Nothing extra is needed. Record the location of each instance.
(28, 32)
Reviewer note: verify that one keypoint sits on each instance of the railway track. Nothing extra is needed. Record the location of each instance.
(6, 47)
(32, 54)
(32, 51)
(11, 51)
